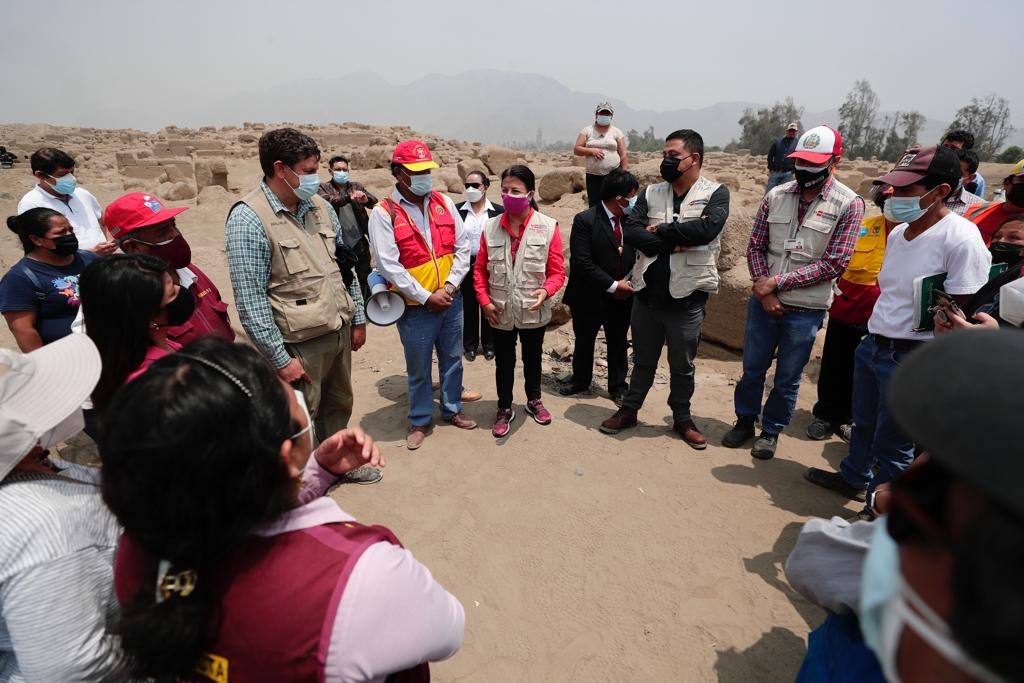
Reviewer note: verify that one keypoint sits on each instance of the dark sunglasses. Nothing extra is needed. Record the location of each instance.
(918, 507)
(476, 185)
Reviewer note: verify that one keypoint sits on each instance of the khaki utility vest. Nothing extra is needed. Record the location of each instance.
(510, 283)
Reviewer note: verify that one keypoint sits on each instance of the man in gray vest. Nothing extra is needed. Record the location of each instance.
(802, 240)
(676, 226)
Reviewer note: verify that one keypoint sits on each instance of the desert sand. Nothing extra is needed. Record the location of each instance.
(578, 556)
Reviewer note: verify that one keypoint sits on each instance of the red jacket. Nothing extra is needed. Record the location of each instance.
(210, 317)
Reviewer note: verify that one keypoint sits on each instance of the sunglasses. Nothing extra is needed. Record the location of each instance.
(918, 507)
(476, 185)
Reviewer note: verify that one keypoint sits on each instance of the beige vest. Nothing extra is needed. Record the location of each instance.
(697, 267)
(510, 284)
(306, 292)
(820, 220)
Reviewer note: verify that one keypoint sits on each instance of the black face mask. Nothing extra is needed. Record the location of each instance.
(971, 187)
(65, 245)
(809, 179)
(670, 169)
(1016, 195)
(181, 308)
(1004, 252)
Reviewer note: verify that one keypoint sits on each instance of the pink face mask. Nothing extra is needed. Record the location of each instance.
(515, 204)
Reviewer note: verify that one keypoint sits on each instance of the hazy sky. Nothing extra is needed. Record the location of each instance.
(65, 60)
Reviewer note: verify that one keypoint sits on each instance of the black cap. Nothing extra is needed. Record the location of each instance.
(959, 397)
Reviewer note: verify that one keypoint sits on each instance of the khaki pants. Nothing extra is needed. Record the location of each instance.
(328, 362)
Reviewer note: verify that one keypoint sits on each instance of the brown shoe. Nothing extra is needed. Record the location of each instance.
(416, 436)
(461, 421)
(468, 395)
(691, 435)
(624, 418)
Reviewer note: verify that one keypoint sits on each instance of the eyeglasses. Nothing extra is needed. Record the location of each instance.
(174, 233)
(918, 507)
(476, 185)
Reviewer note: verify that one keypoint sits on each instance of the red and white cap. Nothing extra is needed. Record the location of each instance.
(818, 145)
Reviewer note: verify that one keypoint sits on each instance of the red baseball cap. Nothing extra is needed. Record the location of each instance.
(136, 210)
(918, 163)
(818, 145)
(414, 155)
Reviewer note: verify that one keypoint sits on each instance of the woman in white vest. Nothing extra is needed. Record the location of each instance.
(518, 269)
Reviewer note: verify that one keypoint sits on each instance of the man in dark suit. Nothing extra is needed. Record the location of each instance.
(475, 211)
(599, 292)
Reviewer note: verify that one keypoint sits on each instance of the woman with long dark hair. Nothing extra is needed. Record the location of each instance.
(39, 295)
(128, 302)
(232, 558)
(519, 268)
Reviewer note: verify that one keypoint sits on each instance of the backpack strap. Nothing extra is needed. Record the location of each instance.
(40, 294)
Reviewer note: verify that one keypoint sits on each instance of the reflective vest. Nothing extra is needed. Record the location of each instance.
(428, 265)
(511, 281)
(858, 285)
(988, 216)
(306, 292)
(697, 267)
(820, 220)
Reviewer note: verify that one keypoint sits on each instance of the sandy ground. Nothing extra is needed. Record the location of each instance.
(579, 556)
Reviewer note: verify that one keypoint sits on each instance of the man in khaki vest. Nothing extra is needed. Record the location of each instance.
(289, 291)
(801, 242)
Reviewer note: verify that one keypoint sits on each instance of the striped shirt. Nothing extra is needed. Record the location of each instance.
(57, 606)
(249, 262)
(831, 264)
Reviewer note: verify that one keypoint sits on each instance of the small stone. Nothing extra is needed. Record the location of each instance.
(579, 472)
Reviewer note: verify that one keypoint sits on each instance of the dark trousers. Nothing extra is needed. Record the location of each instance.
(614, 318)
(594, 183)
(476, 331)
(835, 380)
(362, 249)
(678, 324)
(532, 341)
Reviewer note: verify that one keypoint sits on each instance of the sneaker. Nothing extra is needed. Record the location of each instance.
(362, 475)
(835, 482)
(624, 418)
(691, 435)
(845, 432)
(764, 447)
(740, 433)
(819, 430)
(502, 423)
(538, 412)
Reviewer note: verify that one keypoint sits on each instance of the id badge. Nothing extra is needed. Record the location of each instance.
(794, 245)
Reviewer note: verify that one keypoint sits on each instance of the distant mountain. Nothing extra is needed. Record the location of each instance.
(484, 105)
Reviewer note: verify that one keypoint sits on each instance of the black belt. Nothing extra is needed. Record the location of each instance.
(901, 345)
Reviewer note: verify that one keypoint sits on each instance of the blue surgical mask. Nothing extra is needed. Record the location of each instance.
(904, 209)
(340, 177)
(603, 120)
(65, 184)
(628, 208)
(308, 185)
(420, 185)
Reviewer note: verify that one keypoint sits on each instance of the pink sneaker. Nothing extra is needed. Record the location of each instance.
(502, 423)
(539, 413)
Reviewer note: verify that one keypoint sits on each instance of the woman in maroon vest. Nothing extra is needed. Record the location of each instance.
(233, 565)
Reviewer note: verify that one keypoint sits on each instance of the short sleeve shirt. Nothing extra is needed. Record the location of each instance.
(609, 142)
(59, 285)
(81, 209)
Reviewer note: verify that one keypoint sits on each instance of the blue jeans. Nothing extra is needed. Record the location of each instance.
(876, 440)
(421, 332)
(792, 335)
(777, 178)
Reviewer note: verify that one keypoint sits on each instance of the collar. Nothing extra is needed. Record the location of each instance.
(823, 192)
(399, 199)
(63, 198)
(488, 207)
(317, 512)
(186, 277)
(611, 216)
(505, 221)
(277, 206)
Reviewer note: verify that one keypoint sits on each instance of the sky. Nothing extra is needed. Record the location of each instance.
(68, 61)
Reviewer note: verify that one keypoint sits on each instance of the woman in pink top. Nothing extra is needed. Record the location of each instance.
(234, 565)
(128, 302)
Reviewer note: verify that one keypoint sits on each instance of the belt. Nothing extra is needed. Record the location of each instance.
(901, 345)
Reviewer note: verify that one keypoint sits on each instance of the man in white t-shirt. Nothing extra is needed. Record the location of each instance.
(58, 190)
(928, 239)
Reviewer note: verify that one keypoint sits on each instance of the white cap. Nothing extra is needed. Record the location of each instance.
(818, 145)
(41, 389)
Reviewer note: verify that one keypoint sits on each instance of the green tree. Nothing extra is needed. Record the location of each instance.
(857, 122)
(762, 127)
(988, 119)
(900, 132)
(1010, 155)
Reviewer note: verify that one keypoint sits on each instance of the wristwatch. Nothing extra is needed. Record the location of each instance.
(450, 288)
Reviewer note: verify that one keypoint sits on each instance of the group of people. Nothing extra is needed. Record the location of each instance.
(259, 433)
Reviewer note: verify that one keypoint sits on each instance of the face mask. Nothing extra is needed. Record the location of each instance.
(905, 209)
(300, 398)
(474, 194)
(176, 252)
(65, 245)
(308, 185)
(1004, 252)
(628, 208)
(1011, 302)
(64, 430)
(603, 120)
(670, 169)
(516, 204)
(1016, 195)
(181, 308)
(64, 184)
(340, 177)
(971, 187)
(808, 176)
(420, 185)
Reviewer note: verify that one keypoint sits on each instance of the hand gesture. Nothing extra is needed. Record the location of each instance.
(439, 301)
(541, 295)
(623, 290)
(492, 313)
(347, 450)
(772, 305)
(294, 372)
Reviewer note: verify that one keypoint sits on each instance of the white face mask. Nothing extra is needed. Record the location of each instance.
(1011, 302)
(474, 194)
(301, 399)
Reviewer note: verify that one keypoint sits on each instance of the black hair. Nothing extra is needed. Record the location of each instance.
(286, 145)
(692, 140)
(335, 159)
(960, 136)
(618, 183)
(32, 222)
(49, 159)
(524, 174)
(484, 180)
(121, 294)
(191, 466)
(970, 157)
(932, 181)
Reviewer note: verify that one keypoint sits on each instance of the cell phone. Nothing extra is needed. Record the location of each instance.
(940, 298)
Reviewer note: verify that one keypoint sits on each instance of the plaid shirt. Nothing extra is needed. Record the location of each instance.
(831, 264)
(249, 263)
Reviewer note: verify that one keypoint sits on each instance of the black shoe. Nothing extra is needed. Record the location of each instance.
(835, 482)
(571, 390)
(764, 447)
(470, 355)
(740, 433)
(489, 354)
